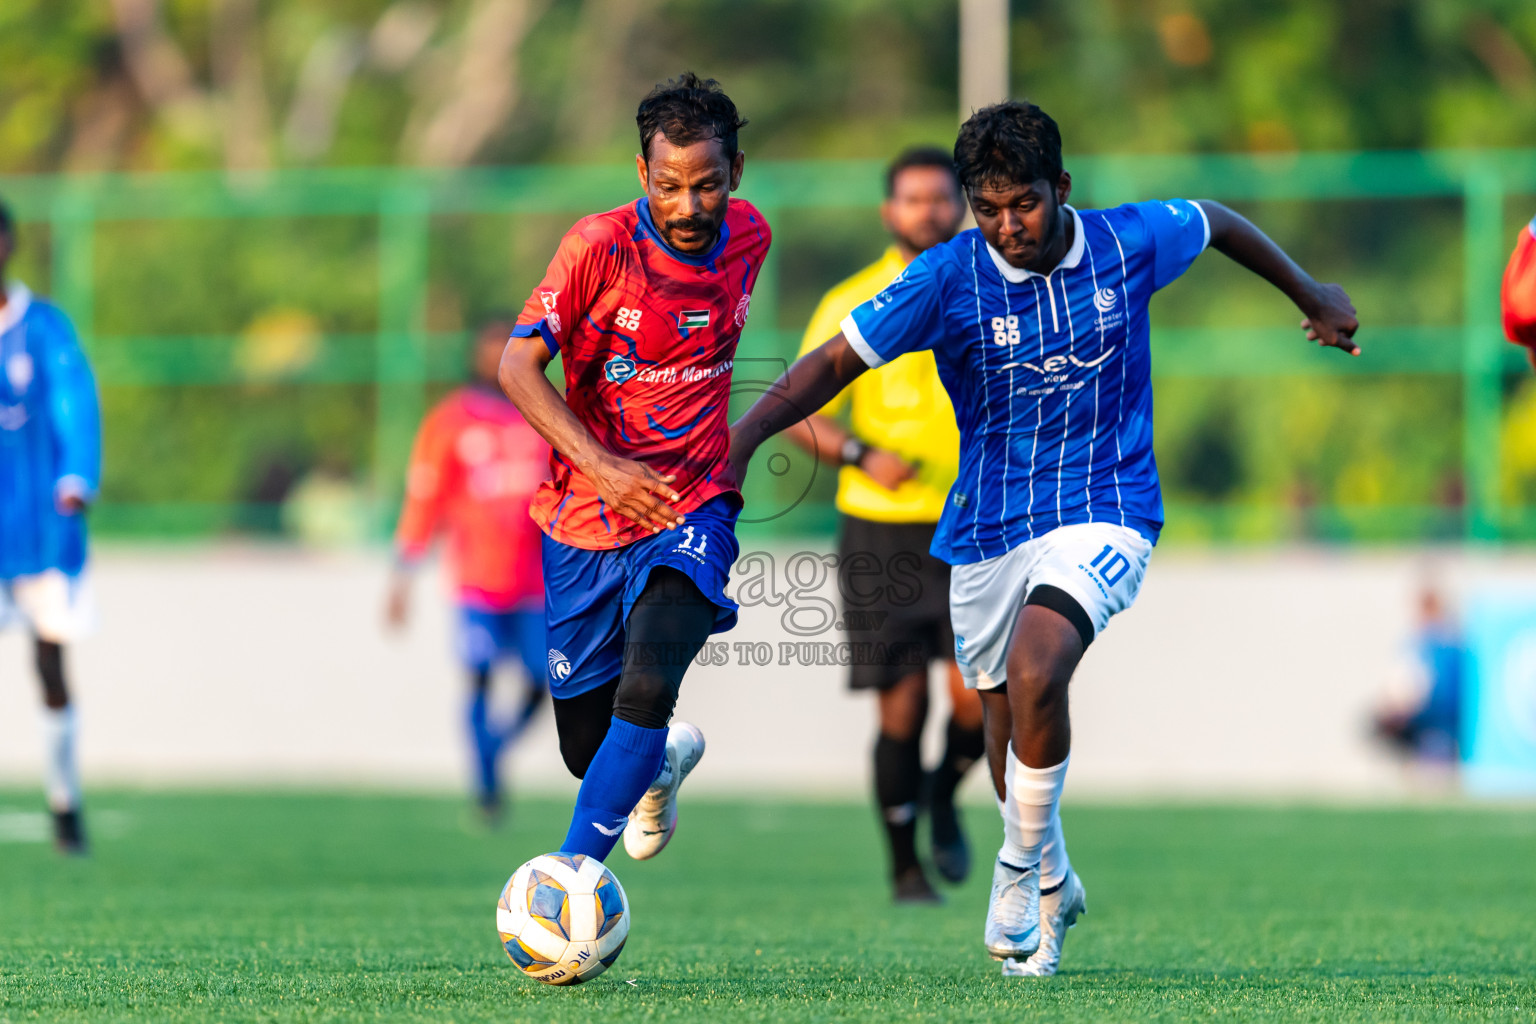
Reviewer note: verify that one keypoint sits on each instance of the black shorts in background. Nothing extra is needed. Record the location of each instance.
(895, 598)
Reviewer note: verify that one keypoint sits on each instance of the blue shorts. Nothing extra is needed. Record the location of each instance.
(486, 638)
(588, 594)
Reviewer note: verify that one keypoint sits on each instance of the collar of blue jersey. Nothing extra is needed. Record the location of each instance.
(648, 229)
(17, 298)
(1074, 256)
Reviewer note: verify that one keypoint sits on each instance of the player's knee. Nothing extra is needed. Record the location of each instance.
(50, 670)
(646, 699)
(1035, 684)
(577, 754)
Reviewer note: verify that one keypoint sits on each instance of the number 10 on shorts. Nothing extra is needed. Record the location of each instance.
(1111, 564)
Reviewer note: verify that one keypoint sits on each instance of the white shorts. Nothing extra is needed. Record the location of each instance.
(54, 606)
(1101, 565)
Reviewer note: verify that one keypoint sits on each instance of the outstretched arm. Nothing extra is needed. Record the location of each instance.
(632, 488)
(1329, 315)
(812, 382)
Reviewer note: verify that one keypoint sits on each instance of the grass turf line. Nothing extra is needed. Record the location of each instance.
(265, 907)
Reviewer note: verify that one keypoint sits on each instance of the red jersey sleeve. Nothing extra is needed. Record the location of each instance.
(426, 488)
(573, 279)
(1519, 297)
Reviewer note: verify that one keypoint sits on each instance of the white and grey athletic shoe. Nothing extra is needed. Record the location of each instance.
(1059, 910)
(1013, 917)
(654, 818)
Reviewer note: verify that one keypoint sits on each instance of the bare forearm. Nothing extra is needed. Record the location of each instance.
(1237, 238)
(522, 378)
(1330, 317)
(628, 486)
(812, 382)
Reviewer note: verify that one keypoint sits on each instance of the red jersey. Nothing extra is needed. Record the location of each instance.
(1520, 290)
(475, 466)
(648, 336)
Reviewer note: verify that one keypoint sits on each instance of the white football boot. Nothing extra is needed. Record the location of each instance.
(654, 818)
(1013, 918)
(1059, 911)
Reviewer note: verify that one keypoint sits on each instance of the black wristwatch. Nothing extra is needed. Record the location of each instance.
(853, 451)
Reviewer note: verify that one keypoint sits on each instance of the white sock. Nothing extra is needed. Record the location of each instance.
(60, 772)
(1031, 804)
(1054, 864)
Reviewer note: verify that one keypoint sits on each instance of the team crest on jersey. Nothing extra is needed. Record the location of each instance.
(559, 666)
(619, 369)
(1104, 300)
(550, 313)
(18, 370)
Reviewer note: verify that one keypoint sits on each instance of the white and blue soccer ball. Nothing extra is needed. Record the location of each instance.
(563, 918)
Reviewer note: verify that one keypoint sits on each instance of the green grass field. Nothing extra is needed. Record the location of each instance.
(248, 907)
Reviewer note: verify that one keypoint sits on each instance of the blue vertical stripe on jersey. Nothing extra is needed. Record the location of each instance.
(1125, 353)
(1012, 363)
(986, 410)
(1093, 274)
(1034, 448)
(1066, 413)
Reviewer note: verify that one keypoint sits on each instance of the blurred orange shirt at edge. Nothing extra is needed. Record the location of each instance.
(474, 468)
(1519, 297)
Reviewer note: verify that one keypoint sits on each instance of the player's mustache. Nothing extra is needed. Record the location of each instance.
(688, 224)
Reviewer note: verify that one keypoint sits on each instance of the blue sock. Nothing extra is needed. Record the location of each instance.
(487, 745)
(624, 768)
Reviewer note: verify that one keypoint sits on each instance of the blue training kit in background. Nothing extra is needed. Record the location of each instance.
(50, 438)
(487, 638)
(588, 594)
(1050, 376)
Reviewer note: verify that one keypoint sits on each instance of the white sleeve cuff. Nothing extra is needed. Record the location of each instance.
(1206, 221)
(858, 344)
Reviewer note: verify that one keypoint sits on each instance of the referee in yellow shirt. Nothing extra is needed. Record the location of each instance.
(898, 457)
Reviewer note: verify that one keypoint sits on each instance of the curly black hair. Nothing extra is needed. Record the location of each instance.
(1008, 143)
(689, 109)
(918, 156)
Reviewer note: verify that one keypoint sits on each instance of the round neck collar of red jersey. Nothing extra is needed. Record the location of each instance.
(648, 231)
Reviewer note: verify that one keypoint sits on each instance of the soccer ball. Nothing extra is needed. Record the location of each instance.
(563, 918)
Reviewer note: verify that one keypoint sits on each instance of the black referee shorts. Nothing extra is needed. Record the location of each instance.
(895, 601)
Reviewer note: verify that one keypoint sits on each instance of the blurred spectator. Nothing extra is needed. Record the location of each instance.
(275, 478)
(50, 468)
(328, 507)
(474, 468)
(1429, 726)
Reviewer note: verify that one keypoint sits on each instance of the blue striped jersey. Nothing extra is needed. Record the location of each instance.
(50, 437)
(1050, 375)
